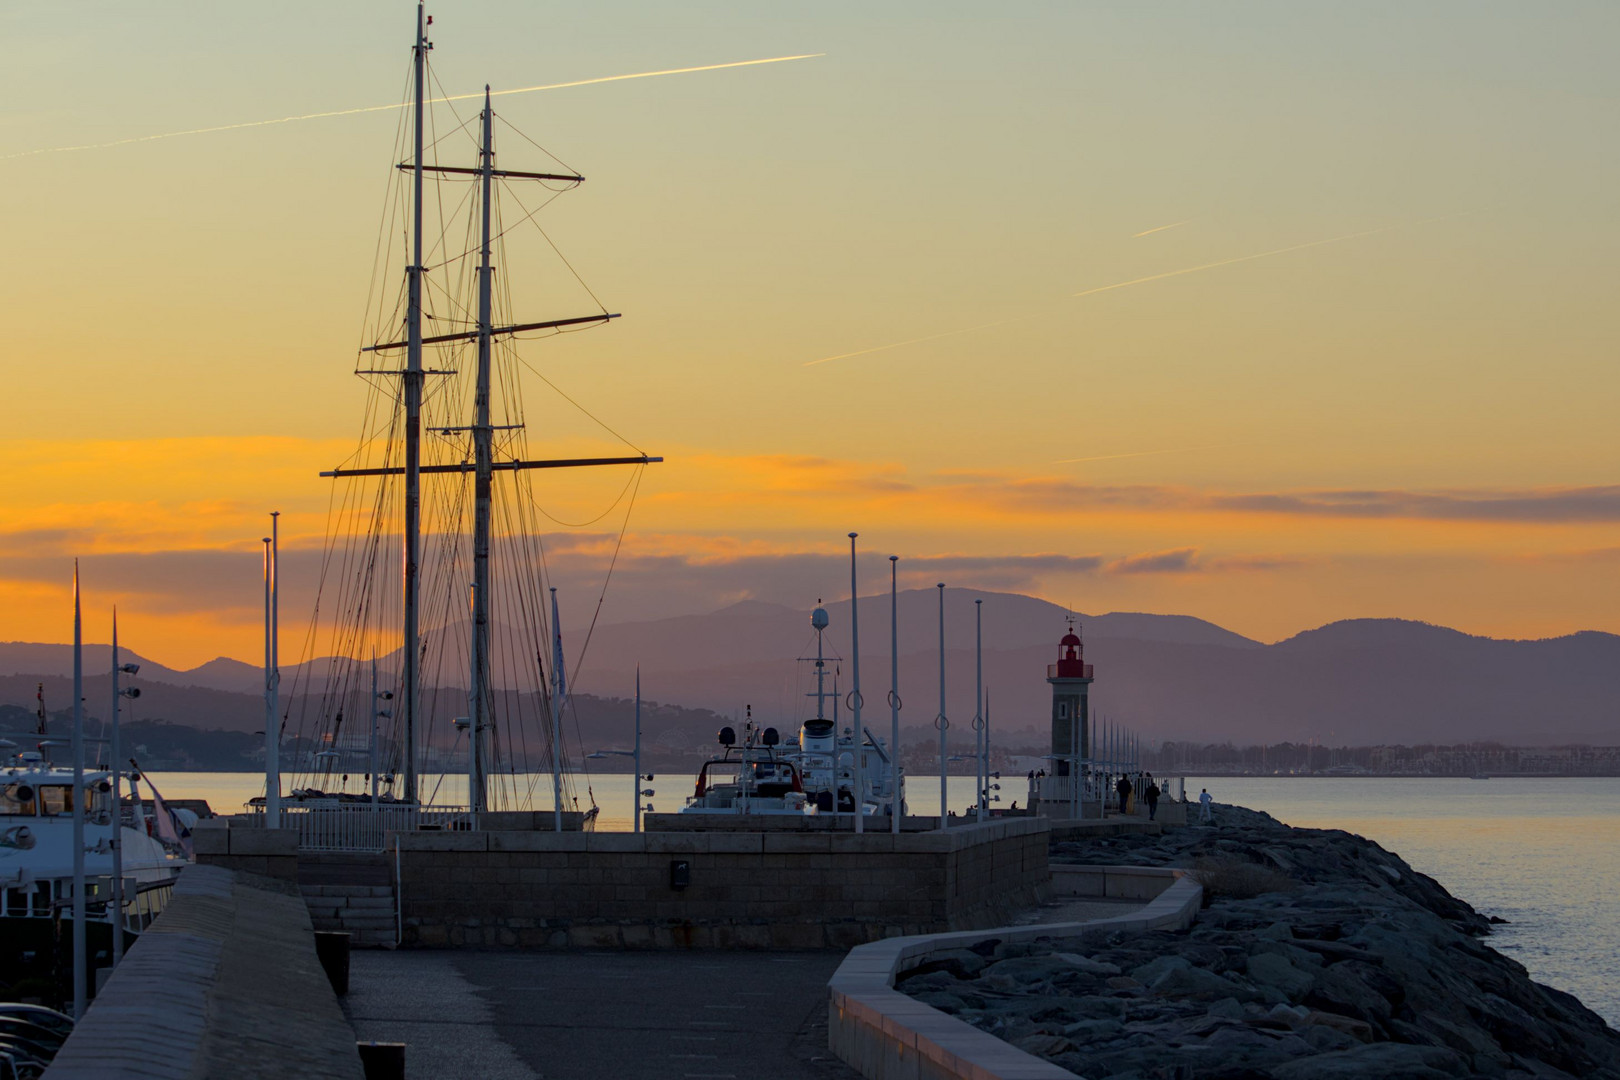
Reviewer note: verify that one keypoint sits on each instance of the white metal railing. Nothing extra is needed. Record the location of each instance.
(363, 826)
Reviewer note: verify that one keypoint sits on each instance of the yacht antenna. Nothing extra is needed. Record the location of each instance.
(818, 620)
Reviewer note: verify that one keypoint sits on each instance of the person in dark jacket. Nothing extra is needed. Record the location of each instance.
(1152, 797)
(1124, 789)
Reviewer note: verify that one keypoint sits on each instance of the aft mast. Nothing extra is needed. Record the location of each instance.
(412, 379)
(483, 475)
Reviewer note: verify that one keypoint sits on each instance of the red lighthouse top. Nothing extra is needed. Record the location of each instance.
(1071, 657)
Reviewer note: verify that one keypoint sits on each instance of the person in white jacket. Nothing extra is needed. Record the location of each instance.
(1204, 803)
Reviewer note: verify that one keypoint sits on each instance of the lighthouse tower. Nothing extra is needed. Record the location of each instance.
(1070, 679)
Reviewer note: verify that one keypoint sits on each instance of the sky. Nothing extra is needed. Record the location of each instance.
(1269, 313)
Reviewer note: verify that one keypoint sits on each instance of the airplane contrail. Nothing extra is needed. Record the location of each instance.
(1249, 258)
(910, 341)
(401, 105)
(1157, 228)
(1161, 277)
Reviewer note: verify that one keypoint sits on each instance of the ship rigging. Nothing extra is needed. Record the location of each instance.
(403, 485)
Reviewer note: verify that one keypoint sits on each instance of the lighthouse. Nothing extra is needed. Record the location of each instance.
(1070, 679)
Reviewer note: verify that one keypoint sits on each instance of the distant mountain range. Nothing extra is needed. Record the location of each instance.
(1355, 682)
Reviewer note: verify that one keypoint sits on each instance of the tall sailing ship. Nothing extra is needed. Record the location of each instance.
(436, 613)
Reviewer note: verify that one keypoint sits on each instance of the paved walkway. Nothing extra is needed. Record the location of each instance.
(1062, 909)
(589, 1015)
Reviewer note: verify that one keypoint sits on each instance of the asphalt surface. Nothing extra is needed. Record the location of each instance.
(589, 1015)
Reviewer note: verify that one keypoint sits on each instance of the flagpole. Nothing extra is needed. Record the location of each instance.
(855, 697)
(272, 730)
(940, 721)
(896, 802)
(80, 981)
(117, 811)
(558, 689)
(636, 827)
(979, 780)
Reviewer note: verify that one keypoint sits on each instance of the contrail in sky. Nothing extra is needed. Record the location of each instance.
(911, 341)
(401, 105)
(1245, 258)
(1157, 228)
(1161, 277)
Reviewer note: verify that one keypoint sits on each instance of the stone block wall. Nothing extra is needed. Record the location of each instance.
(746, 889)
(268, 852)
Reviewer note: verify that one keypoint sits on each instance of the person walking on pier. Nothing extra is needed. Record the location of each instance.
(1204, 804)
(1124, 789)
(1152, 797)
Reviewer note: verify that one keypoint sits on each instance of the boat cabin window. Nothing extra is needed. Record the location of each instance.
(11, 804)
(55, 799)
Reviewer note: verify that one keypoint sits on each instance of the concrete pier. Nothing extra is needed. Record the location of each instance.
(224, 983)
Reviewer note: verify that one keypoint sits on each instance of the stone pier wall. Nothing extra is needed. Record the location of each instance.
(743, 890)
(224, 983)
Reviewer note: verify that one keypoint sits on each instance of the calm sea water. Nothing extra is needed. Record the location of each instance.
(1543, 854)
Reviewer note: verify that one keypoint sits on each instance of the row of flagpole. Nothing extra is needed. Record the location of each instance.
(981, 717)
(166, 826)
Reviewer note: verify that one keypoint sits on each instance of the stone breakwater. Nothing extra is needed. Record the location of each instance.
(1319, 956)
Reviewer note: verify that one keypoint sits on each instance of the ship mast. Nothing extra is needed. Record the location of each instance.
(483, 475)
(484, 465)
(412, 387)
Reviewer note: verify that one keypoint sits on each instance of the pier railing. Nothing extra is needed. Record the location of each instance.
(362, 826)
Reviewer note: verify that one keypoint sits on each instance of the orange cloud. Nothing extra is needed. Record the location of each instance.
(170, 528)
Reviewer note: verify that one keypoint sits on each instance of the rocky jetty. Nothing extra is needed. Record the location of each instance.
(1319, 956)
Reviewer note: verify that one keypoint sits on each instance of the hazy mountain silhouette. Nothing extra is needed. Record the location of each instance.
(1353, 682)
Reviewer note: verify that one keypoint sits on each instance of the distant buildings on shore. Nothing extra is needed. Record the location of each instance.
(1307, 759)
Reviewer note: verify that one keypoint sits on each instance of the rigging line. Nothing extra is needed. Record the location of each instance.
(559, 392)
(473, 249)
(608, 577)
(464, 200)
(520, 134)
(584, 524)
(384, 226)
(547, 236)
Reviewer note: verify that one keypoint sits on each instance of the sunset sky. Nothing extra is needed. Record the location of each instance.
(1414, 418)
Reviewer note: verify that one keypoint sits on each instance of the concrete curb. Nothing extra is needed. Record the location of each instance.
(887, 1035)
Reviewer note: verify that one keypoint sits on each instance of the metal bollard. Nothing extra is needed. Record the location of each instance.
(332, 950)
(382, 1061)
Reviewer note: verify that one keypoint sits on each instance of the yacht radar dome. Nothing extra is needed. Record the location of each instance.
(819, 618)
